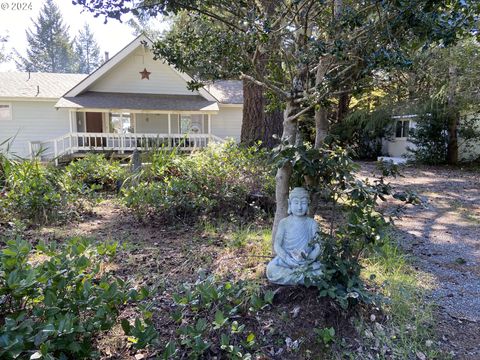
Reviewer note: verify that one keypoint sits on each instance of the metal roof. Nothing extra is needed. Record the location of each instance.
(36, 85)
(129, 101)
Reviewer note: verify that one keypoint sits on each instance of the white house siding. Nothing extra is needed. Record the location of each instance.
(227, 123)
(397, 147)
(125, 77)
(151, 123)
(33, 121)
(471, 150)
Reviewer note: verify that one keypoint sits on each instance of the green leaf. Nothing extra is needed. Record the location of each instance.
(9, 252)
(170, 350)
(126, 326)
(268, 297)
(224, 340)
(201, 325)
(219, 319)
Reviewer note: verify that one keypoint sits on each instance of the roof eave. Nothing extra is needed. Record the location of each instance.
(27, 98)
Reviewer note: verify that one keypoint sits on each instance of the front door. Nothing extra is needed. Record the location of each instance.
(94, 124)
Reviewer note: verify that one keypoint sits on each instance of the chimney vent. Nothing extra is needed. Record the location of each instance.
(106, 56)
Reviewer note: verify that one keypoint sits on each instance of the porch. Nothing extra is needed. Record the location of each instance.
(126, 130)
(78, 143)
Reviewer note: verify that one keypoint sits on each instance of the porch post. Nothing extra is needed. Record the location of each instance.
(30, 147)
(209, 123)
(169, 129)
(71, 118)
(55, 149)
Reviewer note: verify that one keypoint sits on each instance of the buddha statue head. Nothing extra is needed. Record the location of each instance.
(298, 201)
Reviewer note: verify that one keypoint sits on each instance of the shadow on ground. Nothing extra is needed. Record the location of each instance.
(443, 238)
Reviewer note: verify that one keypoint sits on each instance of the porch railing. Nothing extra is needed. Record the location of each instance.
(78, 142)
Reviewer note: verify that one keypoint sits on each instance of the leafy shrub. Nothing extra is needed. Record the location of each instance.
(32, 192)
(221, 181)
(430, 136)
(357, 221)
(93, 172)
(209, 317)
(56, 300)
(363, 132)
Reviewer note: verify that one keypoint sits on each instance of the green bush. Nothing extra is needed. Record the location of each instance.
(363, 132)
(430, 136)
(220, 181)
(32, 192)
(56, 300)
(93, 173)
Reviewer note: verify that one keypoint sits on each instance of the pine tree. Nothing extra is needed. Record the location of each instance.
(3, 54)
(87, 51)
(50, 47)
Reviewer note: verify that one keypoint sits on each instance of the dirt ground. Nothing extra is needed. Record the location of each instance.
(443, 238)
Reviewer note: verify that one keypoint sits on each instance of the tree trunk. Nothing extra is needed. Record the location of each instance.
(273, 126)
(258, 124)
(453, 117)
(343, 106)
(452, 148)
(284, 173)
(253, 113)
(321, 126)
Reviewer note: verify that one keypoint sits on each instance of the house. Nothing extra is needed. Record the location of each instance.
(131, 102)
(398, 144)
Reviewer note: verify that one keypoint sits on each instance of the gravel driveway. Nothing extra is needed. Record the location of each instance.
(444, 240)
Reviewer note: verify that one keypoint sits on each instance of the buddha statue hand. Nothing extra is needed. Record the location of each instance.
(315, 253)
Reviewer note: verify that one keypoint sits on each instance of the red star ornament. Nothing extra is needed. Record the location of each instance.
(145, 74)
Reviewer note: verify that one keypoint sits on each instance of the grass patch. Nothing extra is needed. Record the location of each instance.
(404, 330)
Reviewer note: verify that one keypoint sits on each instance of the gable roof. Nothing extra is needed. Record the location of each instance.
(36, 85)
(116, 59)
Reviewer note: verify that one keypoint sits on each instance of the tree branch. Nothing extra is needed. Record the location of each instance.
(271, 87)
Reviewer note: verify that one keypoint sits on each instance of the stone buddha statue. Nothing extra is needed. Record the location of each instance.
(296, 244)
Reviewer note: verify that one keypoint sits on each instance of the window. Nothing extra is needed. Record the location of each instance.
(121, 123)
(81, 125)
(5, 112)
(402, 128)
(193, 124)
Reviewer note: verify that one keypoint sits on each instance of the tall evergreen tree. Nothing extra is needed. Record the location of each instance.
(3, 54)
(50, 47)
(86, 51)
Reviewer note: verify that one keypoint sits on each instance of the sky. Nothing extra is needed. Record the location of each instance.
(111, 37)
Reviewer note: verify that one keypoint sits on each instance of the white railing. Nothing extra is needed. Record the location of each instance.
(79, 142)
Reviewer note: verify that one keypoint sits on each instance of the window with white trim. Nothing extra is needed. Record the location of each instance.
(402, 128)
(5, 112)
(121, 123)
